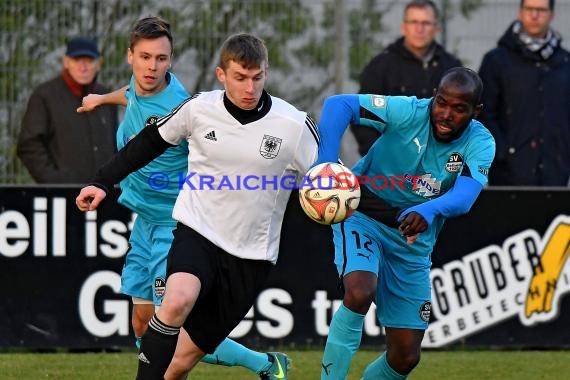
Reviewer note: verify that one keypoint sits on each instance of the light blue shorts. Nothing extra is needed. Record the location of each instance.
(144, 272)
(403, 294)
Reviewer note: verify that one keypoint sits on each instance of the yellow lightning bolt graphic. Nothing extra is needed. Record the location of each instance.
(543, 284)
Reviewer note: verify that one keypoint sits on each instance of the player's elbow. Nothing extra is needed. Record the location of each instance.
(465, 209)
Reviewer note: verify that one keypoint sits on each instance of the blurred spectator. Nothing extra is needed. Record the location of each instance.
(57, 144)
(526, 101)
(412, 65)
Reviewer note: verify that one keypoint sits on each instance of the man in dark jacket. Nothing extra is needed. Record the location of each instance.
(526, 100)
(57, 144)
(413, 65)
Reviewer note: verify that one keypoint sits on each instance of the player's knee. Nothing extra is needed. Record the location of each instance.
(139, 325)
(404, 364)
(142, 313)
(359, 299)
(411, 361)
(177, 306)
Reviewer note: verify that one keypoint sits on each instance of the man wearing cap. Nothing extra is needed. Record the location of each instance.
(56, 144)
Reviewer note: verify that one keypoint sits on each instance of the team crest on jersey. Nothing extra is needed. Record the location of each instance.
(150, 121)
(159, 287)
(454, 163)
(425, 311)
(378, 101)
(270, 146)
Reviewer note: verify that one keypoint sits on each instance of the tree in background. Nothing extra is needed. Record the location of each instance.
(315, 46)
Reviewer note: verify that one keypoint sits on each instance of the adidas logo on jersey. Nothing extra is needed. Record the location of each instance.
(143, 358)
(211, 136)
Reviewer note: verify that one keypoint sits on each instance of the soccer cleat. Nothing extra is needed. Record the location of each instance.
(279, 367)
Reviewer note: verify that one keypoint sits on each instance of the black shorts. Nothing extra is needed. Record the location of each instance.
(230, 285)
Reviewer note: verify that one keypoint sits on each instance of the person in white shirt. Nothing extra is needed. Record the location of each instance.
(247, 148)
(153, 92)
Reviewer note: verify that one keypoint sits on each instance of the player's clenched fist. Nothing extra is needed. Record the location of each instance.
(89, 198)
(412, 225)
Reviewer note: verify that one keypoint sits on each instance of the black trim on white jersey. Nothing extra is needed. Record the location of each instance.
(139, 152)
(161, 120)
(310, 123)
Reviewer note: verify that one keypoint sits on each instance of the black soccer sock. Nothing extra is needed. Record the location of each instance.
(157, 349)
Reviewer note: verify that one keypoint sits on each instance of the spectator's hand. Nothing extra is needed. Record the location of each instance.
(89, 103)
(89, 198)
(412, 225)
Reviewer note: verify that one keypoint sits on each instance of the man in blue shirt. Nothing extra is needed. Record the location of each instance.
(430, 164)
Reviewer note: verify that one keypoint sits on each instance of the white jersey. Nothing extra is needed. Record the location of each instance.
(240, 176)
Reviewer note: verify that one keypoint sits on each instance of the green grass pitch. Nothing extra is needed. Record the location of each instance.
(456, 365)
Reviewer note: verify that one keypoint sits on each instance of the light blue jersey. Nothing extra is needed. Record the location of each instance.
(144, 271)
(150, 194)
(408, 166)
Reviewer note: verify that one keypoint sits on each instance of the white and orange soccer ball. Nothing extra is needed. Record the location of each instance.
(329, 193)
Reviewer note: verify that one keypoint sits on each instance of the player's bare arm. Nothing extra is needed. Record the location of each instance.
(92, 101)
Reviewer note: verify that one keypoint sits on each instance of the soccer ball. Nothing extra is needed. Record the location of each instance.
(329, 193)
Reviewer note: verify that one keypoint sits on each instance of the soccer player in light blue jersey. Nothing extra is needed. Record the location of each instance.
(151, 193)
(430, 164)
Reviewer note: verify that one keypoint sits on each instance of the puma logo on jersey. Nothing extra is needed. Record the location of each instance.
(211, 136)
(417, 142)
(367, 257)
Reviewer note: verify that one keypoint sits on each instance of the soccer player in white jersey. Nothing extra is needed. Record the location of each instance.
(245, 146)
(436, 158)
(153, 92)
